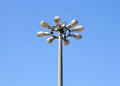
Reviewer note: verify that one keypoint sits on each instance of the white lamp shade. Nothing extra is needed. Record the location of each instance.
(78, 28)
(63, 24)
(76, 36)
(40, 34)
(57, 20)
(45, 25)
(72, 24)
(50, 40)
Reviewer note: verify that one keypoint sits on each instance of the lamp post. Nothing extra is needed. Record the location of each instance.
(63, 33)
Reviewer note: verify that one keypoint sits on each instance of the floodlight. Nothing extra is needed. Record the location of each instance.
(72, 24)
(45, 25)
(50, 40)
(76, 36)
(63, 24)
(60, 31)
(78, 28)
(57, 20)
(41, 34)
(66, 41)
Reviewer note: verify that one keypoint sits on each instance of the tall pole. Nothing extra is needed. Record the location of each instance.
(64, 31)
(60, 63)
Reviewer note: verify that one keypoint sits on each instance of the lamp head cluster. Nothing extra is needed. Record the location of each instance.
(61, 28)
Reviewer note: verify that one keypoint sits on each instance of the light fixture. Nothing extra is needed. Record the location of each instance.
(66, 41)
(61, 28)
(45, 25)
(78, 28)
(76, 36)
(41, 34)
(63, 24)
(57, 20)
(72, 24)
(50, 40)
(60, 31)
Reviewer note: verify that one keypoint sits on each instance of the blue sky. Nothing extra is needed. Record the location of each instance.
(26, 60)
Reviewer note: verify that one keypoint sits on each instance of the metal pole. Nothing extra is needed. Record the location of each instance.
(63, 32)
(60, 64)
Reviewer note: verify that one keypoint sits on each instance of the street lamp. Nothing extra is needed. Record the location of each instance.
(63, 33)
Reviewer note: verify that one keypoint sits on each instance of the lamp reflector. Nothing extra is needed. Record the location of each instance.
(57, 20)
(45, 25)
(66, 41)
(50, 40)
(72, 24)
(76, 36)
(63, 24)
(78, 28)
(41, 34)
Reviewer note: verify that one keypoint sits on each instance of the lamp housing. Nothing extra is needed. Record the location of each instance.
(78, 28)
(41, 34)
(72, 24)
(50, 40)
(45, 25)
(76, 36)
(63, 24)
(57, 20)
(66, 41)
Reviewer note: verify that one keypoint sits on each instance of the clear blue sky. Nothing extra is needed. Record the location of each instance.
(26, 60)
